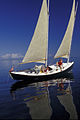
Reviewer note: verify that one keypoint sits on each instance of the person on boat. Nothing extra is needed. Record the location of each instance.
(47, 69)
(11, 69)
(36, 69)
(60, 64)
(36, 66)
(42, 69)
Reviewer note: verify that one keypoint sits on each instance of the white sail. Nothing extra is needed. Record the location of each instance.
(64, 49)
(38, 46)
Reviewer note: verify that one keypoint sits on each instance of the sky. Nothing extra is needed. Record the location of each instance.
(18, 19)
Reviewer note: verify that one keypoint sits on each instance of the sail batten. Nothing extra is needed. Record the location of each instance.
(64, 49)
(38, 46)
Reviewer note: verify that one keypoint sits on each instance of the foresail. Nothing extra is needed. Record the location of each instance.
(64, 49)
(38, 46)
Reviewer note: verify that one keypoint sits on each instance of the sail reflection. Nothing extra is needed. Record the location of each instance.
(39, 103)
(39, 98)
(36, 99)
(66, 99)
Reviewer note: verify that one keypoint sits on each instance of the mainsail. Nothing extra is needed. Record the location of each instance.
(39, 43)
(64, 49)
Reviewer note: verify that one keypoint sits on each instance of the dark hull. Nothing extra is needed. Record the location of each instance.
(46, 77)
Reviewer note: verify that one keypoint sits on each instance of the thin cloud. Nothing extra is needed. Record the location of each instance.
(11, 56)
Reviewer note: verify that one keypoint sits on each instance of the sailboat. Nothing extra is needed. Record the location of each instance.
(38, 48)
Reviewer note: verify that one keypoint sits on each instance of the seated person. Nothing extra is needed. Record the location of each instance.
(45, 69)
(42, 69)
(48, 69)
(60, 64)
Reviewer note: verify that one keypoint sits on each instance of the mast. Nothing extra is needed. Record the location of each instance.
(46, 60)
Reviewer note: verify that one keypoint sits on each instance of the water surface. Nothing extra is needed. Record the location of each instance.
(52, 99)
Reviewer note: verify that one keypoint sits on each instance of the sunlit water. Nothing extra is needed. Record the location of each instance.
(52, 99)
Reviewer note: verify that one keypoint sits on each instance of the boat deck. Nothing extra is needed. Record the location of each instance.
(37, 72)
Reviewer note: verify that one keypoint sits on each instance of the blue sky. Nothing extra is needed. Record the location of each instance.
(18, 19)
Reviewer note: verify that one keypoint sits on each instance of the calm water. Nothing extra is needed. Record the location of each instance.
(53, 99)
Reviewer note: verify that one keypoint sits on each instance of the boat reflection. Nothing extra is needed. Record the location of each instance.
(38, 97)
(26, 83)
